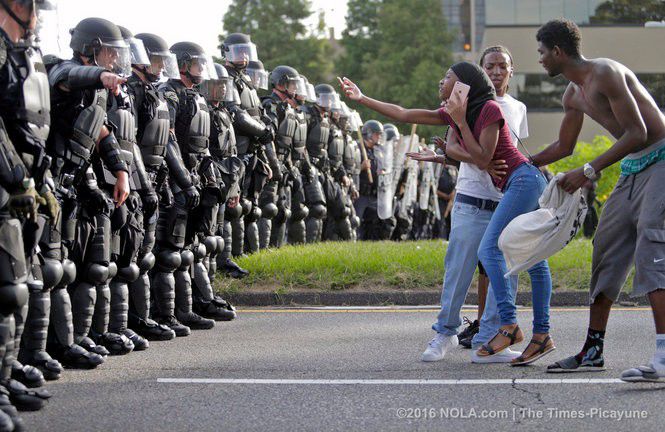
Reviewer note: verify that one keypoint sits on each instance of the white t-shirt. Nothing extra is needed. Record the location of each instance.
(473, 181)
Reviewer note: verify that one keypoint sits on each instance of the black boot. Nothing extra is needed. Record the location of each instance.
(150, 330)
(140, 343)
(25, 399)
(233, 270)
(76, 357)
(9, 418)
(30, 376)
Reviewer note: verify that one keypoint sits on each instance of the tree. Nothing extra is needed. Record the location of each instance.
(629, 12)
(408, 53)
(281, 37)
(360, 37)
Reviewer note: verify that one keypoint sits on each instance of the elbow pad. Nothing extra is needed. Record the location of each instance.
(12, 169)
(85, 76)
(248, 125)
(177, 170)
(111, 154)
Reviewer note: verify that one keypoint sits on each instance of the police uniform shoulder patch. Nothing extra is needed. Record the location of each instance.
(172, 96)
(3, 52)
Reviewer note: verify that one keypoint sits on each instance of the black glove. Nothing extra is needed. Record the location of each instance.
(150, 202)
(267, 137)
(192, 197)
(100, 203)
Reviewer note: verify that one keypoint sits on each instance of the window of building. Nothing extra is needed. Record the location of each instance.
(536, 12)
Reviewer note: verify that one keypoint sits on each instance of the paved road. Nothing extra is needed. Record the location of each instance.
(352, 370)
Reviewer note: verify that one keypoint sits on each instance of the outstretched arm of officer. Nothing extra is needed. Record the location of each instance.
(395, 112)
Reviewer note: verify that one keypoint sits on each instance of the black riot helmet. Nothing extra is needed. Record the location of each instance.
(193, 62)
(163, 63)
(391, 131)
(368, 130)
(137, 51)
(239, 50)
(34, 5)
(220, 89)
(326, 97)
(258, 74)
(287, 77)
(102, 41)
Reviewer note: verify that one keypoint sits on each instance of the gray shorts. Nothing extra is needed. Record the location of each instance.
(631, 231)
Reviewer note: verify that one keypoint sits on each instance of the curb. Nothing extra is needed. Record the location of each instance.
(401, 298)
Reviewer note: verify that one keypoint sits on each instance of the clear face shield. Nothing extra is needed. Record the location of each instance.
(259, 78)
(311, 93)
(241, 53)
(114, 56)
(137, 51)
(341, 114)
(301, 89)
(164, 65)
(328, 101)
(201, 68)
(219, 90)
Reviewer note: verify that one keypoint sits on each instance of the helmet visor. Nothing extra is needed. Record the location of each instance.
(239, 53)
(301, 88)
(259, 78)
(311, 93)
(115, 57)
(164, 65)
(138, 52)
(219, 90)
(327, 101)
(203, 66)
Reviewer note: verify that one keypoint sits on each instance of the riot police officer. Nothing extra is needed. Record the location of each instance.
(192, 174)
(152, 121)
(373, 135)
(79, 94)
(253, 139)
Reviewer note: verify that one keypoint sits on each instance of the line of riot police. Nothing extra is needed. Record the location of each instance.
(135, 171)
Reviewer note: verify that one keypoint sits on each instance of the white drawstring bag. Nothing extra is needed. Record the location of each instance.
(535, 236)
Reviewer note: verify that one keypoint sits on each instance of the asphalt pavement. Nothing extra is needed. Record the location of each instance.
(355, 369)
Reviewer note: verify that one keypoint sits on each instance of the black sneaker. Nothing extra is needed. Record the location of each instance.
(466, 342)
(470, 331)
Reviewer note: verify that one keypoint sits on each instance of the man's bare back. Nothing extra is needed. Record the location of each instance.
(591, 99)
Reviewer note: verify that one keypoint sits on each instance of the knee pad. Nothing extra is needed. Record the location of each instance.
(299, 213)
(199, 252)
(96, 274)
(168, 260)
(233, 213)
(318, 211)
(147, 262)
(52, 272)
(246, 206)
(113, 270)
(12, 297)
(254, 214)
(129, 273)
(186, 259)
(211, 246)
(68, 272)
(220, 243)
(269, 211)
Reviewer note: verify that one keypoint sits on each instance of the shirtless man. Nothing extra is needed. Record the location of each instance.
(632, 226)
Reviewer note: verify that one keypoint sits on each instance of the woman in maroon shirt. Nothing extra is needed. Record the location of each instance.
(481, 135)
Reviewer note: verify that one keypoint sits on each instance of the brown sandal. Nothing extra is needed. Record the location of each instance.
(513, 340)
(545, 348)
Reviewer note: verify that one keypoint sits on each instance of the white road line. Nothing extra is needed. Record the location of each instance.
(443, 382)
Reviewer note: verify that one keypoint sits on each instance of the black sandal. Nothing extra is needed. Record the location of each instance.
(541, 352)
(513, 340)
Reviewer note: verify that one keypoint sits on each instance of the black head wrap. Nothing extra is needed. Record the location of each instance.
(482, 89)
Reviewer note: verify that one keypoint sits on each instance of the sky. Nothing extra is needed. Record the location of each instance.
(139, 16)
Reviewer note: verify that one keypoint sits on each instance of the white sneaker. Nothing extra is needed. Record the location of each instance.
(438, 346)
(503, 356)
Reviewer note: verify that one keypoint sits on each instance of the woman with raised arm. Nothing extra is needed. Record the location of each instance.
(481, 136)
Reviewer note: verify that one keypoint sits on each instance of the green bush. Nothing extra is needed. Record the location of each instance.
(586, 152)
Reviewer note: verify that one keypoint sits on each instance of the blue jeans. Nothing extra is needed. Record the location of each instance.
(468, 223)
(521, 194)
